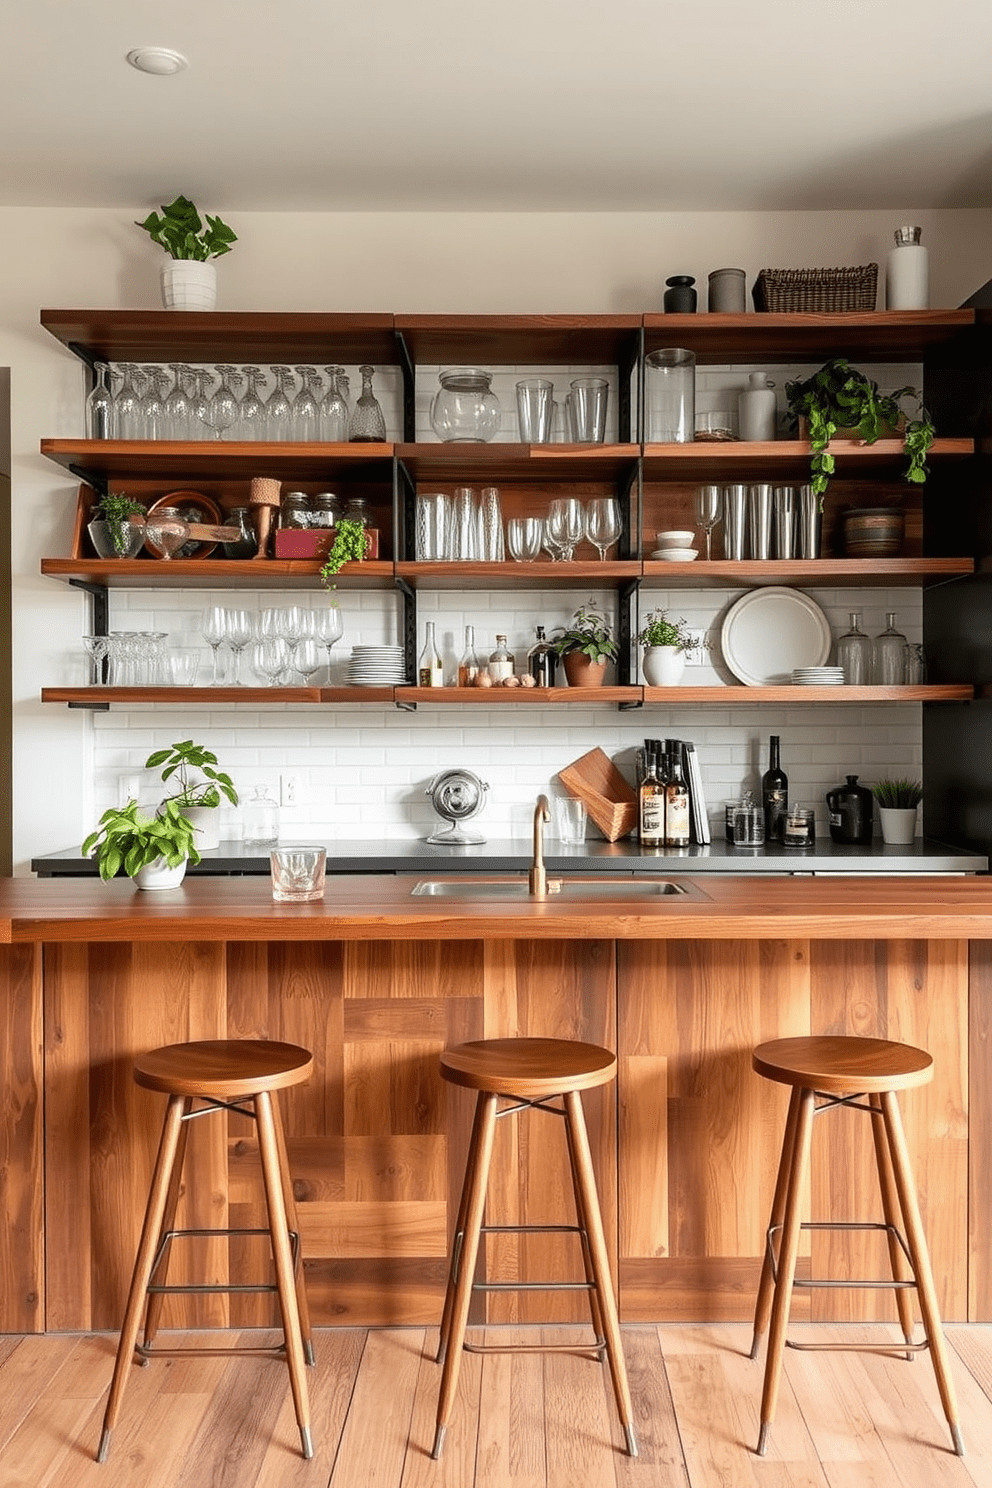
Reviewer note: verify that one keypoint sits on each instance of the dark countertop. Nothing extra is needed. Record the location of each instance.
(513, 855)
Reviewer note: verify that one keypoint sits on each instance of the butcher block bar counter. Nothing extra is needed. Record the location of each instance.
(377, 981)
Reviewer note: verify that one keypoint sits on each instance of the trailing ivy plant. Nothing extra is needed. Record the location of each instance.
(350, 545)
(182, 233)
(841, 397)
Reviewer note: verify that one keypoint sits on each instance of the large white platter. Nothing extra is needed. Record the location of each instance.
(768, 633)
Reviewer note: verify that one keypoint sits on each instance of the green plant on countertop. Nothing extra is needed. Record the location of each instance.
(350, 545)
(182, 233)
(115, 508)
(182, 759)
(658, 630)
(841, 397)
(900, 794)
(127, 839)
(589, 633)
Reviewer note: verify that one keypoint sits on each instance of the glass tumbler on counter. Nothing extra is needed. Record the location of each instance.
(298, 873)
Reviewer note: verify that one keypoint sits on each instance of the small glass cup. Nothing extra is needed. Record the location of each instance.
(749, 826)
(570, 820)
(298, 873)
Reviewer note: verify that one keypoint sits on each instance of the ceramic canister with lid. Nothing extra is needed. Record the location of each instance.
(727, 292)
(850, 812)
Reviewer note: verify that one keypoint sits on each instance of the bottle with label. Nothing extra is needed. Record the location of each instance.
(430, 669)
(774, 793)
(502, 661)
(651, 804)
(542, 660)
(468, 665)
(676, 801)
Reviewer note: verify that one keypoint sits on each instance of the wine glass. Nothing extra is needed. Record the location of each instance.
(307, 659)
(240, 632)
(294, 626)
(566, 524)
(97, 649)
(333, 414)
(604, 524)
(270, 658)
(278, 409)
(523, 535)
(176, 408)
(223, 409)
(213, 628)
(251, 411)
(305, 407)
(709, 511)
(328, 629)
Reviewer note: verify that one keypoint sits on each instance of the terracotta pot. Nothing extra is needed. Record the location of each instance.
(581, 671)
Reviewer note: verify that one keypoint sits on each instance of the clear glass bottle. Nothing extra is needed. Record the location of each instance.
(261, 817)
(651, 804)
(502, 661)
(542, 660)
(854, 654)
(916, 665)
(367, 423)
(468, 665)
(100, 407)
(888, 665)
(676, 803)
(430, 668)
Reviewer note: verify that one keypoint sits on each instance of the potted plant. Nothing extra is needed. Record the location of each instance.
(586, 647)
(189, 282)
(114, 527)
(665, 644)
(153, 851)
(839, 398)
(191, 768)
(351, 544)
(897, 802)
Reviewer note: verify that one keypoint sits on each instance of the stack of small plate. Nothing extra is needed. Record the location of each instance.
(818, 676)
(375, 666)
(674, 547)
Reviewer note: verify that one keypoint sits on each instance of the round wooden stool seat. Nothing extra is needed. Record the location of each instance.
(530, 1067)
(843, 1065)
(223, 1067)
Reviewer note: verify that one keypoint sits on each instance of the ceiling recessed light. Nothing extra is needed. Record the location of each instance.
(159, 61)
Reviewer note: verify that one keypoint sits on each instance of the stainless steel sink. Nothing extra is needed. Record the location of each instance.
(563, 888)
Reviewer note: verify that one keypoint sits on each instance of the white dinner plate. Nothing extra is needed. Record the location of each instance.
(770, 633)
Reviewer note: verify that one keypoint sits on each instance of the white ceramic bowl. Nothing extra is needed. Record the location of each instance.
(675, 555)
(674, 539)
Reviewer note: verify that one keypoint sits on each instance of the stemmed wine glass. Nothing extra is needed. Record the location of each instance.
(307, 659)
(97, 648)
(176, 408)
(334, 413)
(270, 658)
(278, 408)
(251, 411)
(709, 510)
(566, 524)
(306, 405)
(223, 409)
(328, 628)
(604, 524)
(214, 631)
(240, 632)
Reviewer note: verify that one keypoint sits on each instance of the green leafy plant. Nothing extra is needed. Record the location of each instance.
(900, 794)
(351, 544)
(116, 508)
(127, 839)
(182, 233)
(180, 760)
(841, 397)
(658, 630)
(589, 633)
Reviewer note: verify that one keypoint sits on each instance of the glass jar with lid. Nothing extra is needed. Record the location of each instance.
(358, 510)
(294, 510)
(325, 510)
(245, 546)
(466, 410)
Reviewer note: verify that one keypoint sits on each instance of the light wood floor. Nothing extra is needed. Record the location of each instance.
(544, 1421)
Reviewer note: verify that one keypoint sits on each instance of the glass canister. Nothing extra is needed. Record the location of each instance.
(670, 396)
(294, 510)
(466, 410)
(246, 546)
(261, 817)
(325, 510)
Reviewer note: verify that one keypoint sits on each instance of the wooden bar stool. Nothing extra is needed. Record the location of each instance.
(863, 1074)
(201, 1079)
(529, 1074)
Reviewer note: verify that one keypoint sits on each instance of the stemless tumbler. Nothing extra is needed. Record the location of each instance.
(535, 409)
(670, 396)
(589, 397)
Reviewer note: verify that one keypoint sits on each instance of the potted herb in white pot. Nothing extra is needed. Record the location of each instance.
(189, 281)
(191, 767)
(117, 526)
(665, 645)
(898, 801)
(154, 851)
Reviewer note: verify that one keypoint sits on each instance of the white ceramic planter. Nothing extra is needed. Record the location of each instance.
(158, 875)
(898, 824)
(663, 666)
(205, 821)
(188, 284)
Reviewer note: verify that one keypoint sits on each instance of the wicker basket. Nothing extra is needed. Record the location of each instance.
(792, 291)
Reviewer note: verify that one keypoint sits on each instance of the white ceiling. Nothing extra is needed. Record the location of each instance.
(502, 105)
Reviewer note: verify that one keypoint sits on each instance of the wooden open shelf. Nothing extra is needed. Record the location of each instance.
(878, 336)
(172, 462)
(214, 573)
(783, 459)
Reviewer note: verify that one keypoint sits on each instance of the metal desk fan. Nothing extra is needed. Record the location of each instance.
(457, 796)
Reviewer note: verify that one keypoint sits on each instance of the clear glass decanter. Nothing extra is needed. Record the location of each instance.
(367, 423)
(854, 654)
(889, 655)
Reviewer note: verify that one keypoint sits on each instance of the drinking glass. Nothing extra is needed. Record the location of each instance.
(305, 409)
(549, 543)
(491, 545)
(127, 401)
(223, 409)
(535, 409)
(240, 632)
(709, 511)
(176, 408)
(213, 628)
(97, 647)
(269, 659)
(333, 413)
(603, 523)
(465, 526)
(278, 408)
(307, 659)
(203, 380)
(589, 397)
(328, 628)
(100, 406)
(294, 626)
(251, 412)
(566, 524)
(433, 518)
(151, 413)
(523, 534)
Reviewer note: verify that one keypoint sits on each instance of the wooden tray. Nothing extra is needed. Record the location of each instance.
(610, 801)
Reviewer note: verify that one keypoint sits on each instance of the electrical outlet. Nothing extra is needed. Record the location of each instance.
(289, 788)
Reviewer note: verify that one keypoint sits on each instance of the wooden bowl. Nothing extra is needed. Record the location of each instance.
(874, 532)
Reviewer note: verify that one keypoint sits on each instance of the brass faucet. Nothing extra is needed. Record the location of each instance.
(537, 879)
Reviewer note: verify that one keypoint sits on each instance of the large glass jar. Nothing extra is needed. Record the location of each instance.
(466, 410)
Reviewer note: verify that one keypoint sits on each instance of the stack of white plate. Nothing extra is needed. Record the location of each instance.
(375, 666)
(818, 676)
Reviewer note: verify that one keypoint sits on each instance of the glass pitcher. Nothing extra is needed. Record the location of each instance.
(466, 410)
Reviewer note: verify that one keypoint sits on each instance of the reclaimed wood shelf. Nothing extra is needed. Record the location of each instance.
(215, 573)
(781, 458)
(166, 460)
(788, 693)
(879, 335)
(861, 573)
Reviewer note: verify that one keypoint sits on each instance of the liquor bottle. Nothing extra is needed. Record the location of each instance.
(676, 801)
(774, 793)
(501, 662)
(468, 666)
(430, 669)
(541, 660)
(651, 804)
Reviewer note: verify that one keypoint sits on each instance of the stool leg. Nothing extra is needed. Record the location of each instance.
(920, 1257)
(150, 1231)
(587, 1203)
(476, 1182)
(458, 1237)
(268, 1147)
(786, 1263)
(594, 1308)
(156, 1300)
(890, 1210)
(763, 1306)
(289, 1199)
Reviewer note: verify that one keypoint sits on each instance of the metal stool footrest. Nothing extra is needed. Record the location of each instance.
(200, 1287)
(887, 1283)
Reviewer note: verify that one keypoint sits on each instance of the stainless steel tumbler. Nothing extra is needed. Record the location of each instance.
(759, 521)
(734, 520)
(784, 505)
(809, 523)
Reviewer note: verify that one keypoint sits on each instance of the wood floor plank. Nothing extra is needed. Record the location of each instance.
(376, 1433)
(511, 1451)
(716, 1442)
(331, 1386)
(27, 1371)
(581, 1451)
(456, 1466)
(659, 1462)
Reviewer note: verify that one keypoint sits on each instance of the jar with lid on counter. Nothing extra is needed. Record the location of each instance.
(294, 511)
(325, 510)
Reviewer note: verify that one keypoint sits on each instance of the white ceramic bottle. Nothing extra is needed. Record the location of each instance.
(756, 409)
(907, 272)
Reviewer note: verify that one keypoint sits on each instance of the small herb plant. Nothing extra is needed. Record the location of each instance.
(900, 794)
(351, 543)
(127, 839)
(182, 233)
(658, 630)
(116, 508)
(841, 397)
(182, 759)
(589, 633)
